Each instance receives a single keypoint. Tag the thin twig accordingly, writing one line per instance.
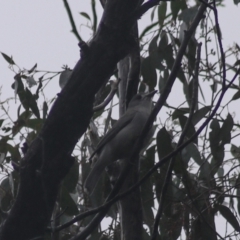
(74, 29)
(114, 88)
(93, 4)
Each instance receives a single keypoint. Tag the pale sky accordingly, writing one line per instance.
(39, 31)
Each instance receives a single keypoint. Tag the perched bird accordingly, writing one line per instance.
(119, 141)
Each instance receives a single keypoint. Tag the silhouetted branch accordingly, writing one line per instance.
(69, 12)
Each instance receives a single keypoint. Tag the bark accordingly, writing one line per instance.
(48, 158)
(130, 207)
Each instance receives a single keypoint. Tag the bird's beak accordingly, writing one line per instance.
(151, 94)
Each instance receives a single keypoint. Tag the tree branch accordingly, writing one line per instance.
(69, 12)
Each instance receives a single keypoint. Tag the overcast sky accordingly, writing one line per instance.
(39, 31)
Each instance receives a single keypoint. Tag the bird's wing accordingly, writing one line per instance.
(118, 126)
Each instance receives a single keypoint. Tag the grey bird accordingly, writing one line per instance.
(119, 141)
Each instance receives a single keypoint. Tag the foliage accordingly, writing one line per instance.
(200, 183)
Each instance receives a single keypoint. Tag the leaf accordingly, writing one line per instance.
(32, 69)
(164, 143)
(147, 29)
(236, 95)
(39, 87)
(191, 151)
(238, 200)
(26, 97)
(156, 59)
(162, 10)
(163, 42)
(35, 124)
(71, 179)
(225, 132)
(45, 110)
(146, 189)
(5, 195)
(64, 77)
(167, 54)
(191, 53)
(67, 203)
(149, 73)
(163, 80)
(1, 122)
(237, 63)
(229, 216)
(217, 149)
(190, 131)
(32, 103)
(176, 6)
(153, 13)
(200, 114)
(8, 59)
(236, 2)
(84, 14)
(235, 151)
(31, 82)
(205, 171)
(166, 225)
(179, 112)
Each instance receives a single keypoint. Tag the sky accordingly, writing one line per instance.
(39, 32)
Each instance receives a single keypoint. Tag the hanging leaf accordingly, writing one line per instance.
(191, 151)
(45, 110)
(35, 124)
(236, 95)
(200, 114)
(235, 151)
(176, 6)
(164, 143)
(32, 69)
(225, 132)
(156, 59)
(8, 59)
(64, 77)
(162, 10)
(32, 103)
(236, 2)
(71, 179)
(84, 14)
(167, 54)
(190, 131)
(217, 149)
(147, 196)
(1, 122)
(67, 204)
(179, 112)
(229, 216)
(147, 29)
(163, 80)
(149, 73)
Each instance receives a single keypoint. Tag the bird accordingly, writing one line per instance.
(120, 139)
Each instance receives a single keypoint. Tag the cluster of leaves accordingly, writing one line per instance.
(201, 185)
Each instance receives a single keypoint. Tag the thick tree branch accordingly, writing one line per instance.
(48, 158)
